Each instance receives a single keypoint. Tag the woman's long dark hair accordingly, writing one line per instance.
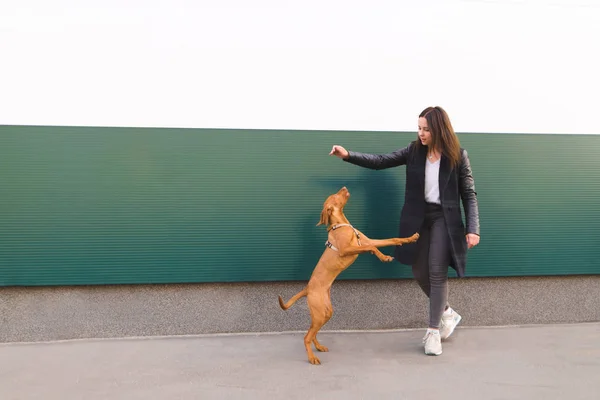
(443, 137)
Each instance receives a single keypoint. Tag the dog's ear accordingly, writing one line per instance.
(325, 214)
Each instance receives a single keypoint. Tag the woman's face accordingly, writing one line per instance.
(424, 134)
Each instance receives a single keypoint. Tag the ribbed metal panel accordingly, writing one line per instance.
(127, 205)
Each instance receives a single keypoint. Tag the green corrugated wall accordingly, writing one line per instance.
(139, 205)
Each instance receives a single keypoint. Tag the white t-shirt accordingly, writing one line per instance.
(432, 185)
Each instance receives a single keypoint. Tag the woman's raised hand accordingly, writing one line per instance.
(339, 151)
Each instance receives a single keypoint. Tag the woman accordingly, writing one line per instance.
(438, 177)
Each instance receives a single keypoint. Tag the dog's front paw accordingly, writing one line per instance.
(387, 259)
(401, 241)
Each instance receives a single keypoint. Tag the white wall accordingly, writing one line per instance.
(495, 65)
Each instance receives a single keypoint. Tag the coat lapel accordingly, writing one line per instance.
(444, 175)
(421, 160)
(445, 172)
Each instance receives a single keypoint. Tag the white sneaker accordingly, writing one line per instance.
(433, 342)
(450, 319)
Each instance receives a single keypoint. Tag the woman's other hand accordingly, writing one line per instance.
(339, 151)
(472, 240)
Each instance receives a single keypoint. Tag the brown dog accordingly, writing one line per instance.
(343, 246)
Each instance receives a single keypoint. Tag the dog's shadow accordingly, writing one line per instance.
(376, 212)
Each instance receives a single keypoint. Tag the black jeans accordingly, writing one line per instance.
(432, 262)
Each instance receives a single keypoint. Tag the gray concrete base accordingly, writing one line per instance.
(54, 313)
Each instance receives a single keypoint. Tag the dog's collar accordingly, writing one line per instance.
(334, 227)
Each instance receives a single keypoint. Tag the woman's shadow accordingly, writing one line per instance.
(376, 199)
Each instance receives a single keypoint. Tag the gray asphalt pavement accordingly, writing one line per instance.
(534, 362)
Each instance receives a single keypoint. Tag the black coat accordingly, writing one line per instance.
(455, 185)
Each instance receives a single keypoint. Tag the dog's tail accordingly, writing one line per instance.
(297, 296)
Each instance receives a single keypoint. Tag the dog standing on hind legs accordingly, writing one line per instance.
(344, 244)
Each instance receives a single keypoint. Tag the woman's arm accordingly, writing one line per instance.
(379, 161)
(466, 185)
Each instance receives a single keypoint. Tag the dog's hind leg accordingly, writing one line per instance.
(328, 315)
(308, 339)
(319, 346)
(320, 312)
